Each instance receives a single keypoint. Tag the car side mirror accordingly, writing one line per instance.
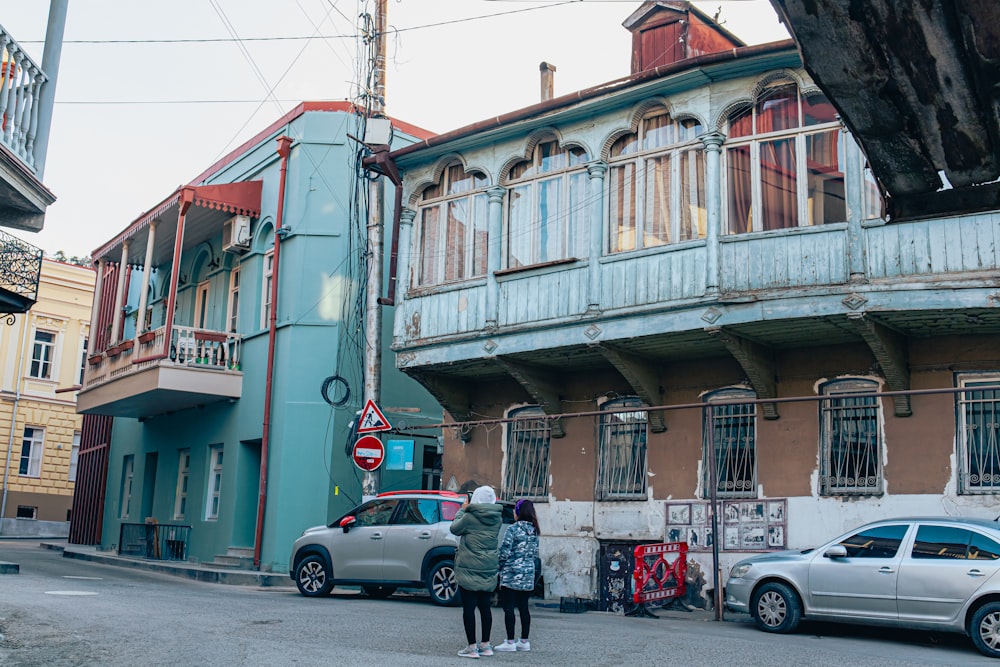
(347, 522)
(836, 551)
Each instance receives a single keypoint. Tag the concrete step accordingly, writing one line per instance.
(235, 562)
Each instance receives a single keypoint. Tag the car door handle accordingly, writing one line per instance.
(976, 573)
(886, 570)
(376, 536)
(424, 535)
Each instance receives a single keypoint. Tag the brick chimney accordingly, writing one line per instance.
(548, 80)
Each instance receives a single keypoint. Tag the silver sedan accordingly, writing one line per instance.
(934, 573)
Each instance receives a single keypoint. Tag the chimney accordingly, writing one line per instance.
(548, 80)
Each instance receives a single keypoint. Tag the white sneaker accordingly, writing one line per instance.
(508, 645)
(523, 645)
(469, 652)
(484, 648)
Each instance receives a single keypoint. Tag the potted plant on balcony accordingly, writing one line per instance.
(125, 345)
(146, 337)
(95, 359)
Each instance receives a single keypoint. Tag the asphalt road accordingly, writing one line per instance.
(61, 612)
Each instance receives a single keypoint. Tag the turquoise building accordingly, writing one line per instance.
(227, 353)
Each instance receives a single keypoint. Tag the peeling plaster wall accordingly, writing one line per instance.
(919, 457)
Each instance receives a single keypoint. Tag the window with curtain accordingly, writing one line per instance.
(784, 162)
(547, 206)
(851, 439)
(732, 430)
(526, 464)
(621, 473)
(452, 230)
(979, 434)
(656, 182)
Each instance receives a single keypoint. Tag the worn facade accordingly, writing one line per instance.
(226, 370)
(686, 281)
(43, 352)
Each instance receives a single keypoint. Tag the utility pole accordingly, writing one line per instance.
(376, 226)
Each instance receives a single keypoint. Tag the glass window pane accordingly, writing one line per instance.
(658, 131)
(626, 145)
(816, 109)
(480, 205)
(983, 548)
(623, 218)
(656, 219)
(941, 542)
(740, 211)
(825, 178)
(454, 256)
(429, 256)
(741, 123)
(879, 542)
(778, 109)
(519, 235)
(779, 204)
(694, 213)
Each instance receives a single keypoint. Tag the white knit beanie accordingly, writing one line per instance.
(484, 494)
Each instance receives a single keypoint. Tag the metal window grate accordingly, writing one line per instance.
(622, 464)
(734, 432)
(980, 428)
(527, 470)
(851, 462)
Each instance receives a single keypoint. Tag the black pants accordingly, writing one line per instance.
(509, 598)
(471, 600)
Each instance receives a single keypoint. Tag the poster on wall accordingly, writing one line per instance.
(745, 525)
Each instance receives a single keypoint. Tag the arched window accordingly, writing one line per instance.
(732, 430)
(784, 162)
(547, 209)
(656, 185)
(851, 439)
(621, 473)
(526, 464)
(452, 232)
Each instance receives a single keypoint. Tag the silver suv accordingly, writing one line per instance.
(399, 539)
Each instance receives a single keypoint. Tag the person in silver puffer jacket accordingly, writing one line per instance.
(518, 552)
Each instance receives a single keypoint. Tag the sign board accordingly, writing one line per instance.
(372, 420)
(368, 453)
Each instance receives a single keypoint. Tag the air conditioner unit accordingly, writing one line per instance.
(236, 234)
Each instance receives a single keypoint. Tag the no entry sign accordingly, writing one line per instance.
(368, 453)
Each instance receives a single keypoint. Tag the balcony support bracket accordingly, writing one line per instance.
(453, 395)
(889, 348)
(757, 362)
(541, 385)
(638, 372)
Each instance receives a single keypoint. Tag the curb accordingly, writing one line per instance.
(186, 571)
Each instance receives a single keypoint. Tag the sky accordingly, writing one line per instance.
(152, 93)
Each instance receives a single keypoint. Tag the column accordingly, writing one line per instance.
(493, 249)
(116, 324)
(95, 308)
(596, 172)
(713, 202)
(854, 183)
(146, 270)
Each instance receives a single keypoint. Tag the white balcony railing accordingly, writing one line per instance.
(21, 82)
(189, 347)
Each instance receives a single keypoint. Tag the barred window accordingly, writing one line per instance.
(733, 431)
(622, 465)
(851, 439)
(979, 434)
(526, 473)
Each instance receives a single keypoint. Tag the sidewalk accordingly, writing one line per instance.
(196, 571)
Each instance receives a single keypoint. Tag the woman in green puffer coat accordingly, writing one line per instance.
(476, 565)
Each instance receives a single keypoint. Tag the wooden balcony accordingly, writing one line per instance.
(145, 377)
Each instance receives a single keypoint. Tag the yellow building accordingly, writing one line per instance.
(42, 354)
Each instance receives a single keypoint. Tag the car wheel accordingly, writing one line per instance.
(313, 577)
(378, 591)
(985, 630)
(776, 608)
(442, 584)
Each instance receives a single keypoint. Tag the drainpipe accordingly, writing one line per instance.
(13, 416)
(284, 148)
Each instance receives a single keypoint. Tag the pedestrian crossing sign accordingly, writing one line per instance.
(372, 420)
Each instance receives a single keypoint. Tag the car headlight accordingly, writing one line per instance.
(740, 569)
